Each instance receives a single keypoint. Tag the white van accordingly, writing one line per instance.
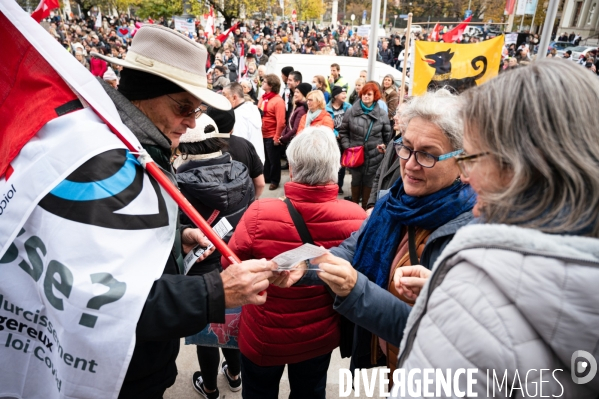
(311, 65)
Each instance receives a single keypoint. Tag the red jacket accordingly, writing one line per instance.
(273, 120)
(297, 323)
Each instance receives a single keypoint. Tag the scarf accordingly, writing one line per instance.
(366, 109)
(265, 98)
(377, 244)
(310, 116)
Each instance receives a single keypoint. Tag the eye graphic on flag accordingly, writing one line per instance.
(104, 192)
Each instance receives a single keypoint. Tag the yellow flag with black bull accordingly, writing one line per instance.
(460, 66)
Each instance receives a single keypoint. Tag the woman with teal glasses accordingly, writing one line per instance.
(410, 225)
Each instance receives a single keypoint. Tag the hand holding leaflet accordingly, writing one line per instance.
(289, 260)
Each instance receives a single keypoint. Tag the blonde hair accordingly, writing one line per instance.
(318, 96)
(549, 146)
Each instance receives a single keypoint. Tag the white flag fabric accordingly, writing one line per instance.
(84, 233)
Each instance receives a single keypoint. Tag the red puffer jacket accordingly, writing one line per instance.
(297, 323)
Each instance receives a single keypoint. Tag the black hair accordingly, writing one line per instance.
(207, 146)
(297, 76)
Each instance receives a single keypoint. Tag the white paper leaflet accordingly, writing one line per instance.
(287, 260)
(222, 228)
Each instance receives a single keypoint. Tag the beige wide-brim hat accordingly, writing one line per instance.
(166, 53)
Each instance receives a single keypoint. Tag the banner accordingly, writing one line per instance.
(184, 25)
(456, 33)
(509, 6)
(460, 66)
(530, 7)
(84, 231)
(521, 7)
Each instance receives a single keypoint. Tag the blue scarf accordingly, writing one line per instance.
(366, 109)
(377, 245)
(310, 116)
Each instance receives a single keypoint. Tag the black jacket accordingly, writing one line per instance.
(353, 131)
(177, 305)
(387, 174)
(215, 184)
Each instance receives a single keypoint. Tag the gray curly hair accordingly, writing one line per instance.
(442, 108)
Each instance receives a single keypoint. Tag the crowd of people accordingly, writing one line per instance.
(471, 225)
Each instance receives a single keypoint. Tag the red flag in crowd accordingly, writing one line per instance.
(210, 23)
(509, 6)
(221, 38)
(43, 9)
(453, 35)
(435, 32)
(32, 102)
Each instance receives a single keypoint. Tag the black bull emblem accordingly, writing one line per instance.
(441, 61)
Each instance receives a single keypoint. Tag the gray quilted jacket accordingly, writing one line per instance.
(507, 298)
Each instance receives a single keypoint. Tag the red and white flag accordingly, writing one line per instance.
(209, 23)
(456, 33)
(84, 230)
(43, 9)
(223, 37)
(435, 32)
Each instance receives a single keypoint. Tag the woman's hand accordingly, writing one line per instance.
(337, 273)
(381, 148)
(287, 278)
(409, 280)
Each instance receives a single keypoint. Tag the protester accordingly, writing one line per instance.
(158, 107)
(319, 83)
(538, 232)
(389, 95)
(410, 226)
(248, 123)
(300, 109)
(335, 78)
(316, 115)
(294, 79)
(355, 95)
(249, 94)
(217, 187)
(365, 124)
(219, 79)
(284, 76)
(337, 108)
(305, 329)
(273, 123)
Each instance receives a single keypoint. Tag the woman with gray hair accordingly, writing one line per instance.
(518, 293)
(296, 326)
(411, 225)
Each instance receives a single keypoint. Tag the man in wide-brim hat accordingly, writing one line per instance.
(161, 92)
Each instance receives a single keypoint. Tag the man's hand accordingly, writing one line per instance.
(338, 273)
(287, 278)
(192, 237)
(276, 142)
(381, 148)
(243, 282)
(409, 280)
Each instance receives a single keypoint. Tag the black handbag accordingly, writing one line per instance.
(346, 326)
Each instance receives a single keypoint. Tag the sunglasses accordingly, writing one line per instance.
(186, 110)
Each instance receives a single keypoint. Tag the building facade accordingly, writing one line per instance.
(580, 17)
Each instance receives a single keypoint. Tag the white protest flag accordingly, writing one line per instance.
(84, 231)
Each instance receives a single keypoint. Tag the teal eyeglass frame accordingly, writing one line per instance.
(398, 145)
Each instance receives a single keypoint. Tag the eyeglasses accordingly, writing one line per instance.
(186, 110)
(465, 162)
(424, 159)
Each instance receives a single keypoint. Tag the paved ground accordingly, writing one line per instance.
(187, 362)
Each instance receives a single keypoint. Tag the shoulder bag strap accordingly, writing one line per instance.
(369, 130)
(299, 222)
(412, 246)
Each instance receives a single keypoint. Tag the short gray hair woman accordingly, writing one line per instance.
(314, 157)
